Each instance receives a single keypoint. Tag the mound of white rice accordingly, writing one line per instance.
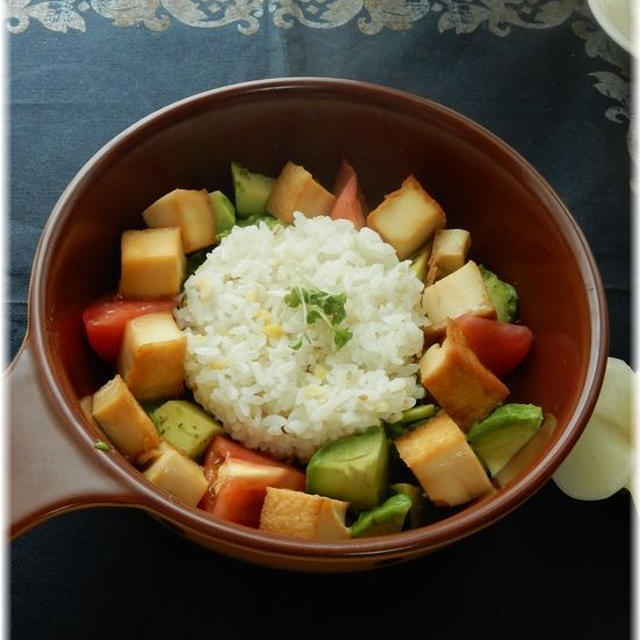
(240, 362)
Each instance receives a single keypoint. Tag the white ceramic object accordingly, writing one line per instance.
(615, 17)
(603, 460)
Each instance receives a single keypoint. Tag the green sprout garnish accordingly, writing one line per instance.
(319, 305)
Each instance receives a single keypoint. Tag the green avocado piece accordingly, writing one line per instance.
(503, 433)
(251, 190)
(224, 213)
(410, 418)
(353, 468)
(503, 296)
(269, 220)
(419, 512)
(389, 517)
(420, 262)
(186, 426)
(418, 414)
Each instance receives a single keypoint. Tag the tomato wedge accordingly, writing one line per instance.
(240, 489)
(222, 448)
(105, 321)
(239, 501)
(349, 202)
(500, 346)
(238, 480)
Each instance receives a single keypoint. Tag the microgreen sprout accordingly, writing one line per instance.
(320, 305)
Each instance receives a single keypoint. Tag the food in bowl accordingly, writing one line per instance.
(278, 381)
(327, 372)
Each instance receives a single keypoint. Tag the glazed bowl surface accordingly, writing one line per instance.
(519, 228)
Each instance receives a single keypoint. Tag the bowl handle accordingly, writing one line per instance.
(50, 473)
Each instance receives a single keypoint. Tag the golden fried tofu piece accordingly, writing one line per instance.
(296, 190)
(407, 218)
(459, 293)
(458, 381)
(302, 515)
(449, 253)
(123, 420)
(462, 291)
(152, 263)
(177, 474)
(188, 209)
(151, 359)
(443, 462)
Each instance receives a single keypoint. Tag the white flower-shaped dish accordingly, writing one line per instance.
(616, 18)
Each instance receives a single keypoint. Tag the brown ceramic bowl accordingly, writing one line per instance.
(519, 229)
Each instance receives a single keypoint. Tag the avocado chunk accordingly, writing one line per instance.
(418, 413)
(420, 261)
(251, 190)
(389, 517)
(353, 468)
(410, 419)
(270, 221)
(186, 426)
(224, 213)
(503, 433)
(419, 511)
(502, 295)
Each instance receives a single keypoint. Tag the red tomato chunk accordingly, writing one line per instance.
(500, 346)
(238, 480)
(348, 203)
(105, 321)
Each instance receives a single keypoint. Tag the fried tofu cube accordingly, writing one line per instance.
(459, 293)
(151, 359)
(152, 263)
(296, 190)
(438, 454)
(449, 253)
(177, 474)
(462, 291)
(315, 200)
(189, 210)
(123, 420)
(458, 381)
(302, 515)
(407, 218)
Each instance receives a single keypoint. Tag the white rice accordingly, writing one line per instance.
(287, 402)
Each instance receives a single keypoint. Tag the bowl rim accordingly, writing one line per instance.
(158, 501)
